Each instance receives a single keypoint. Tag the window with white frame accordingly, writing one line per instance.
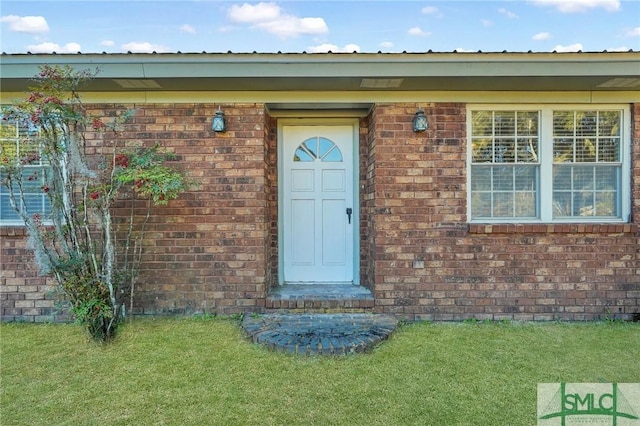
(548, 164)
(19, 142)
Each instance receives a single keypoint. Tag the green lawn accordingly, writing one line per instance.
(203, 372)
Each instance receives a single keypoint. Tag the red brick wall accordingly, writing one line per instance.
(430, 264)
(24, 294)
(215, 248)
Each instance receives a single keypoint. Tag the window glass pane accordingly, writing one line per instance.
(609, 123)
(586, 123)
(503, 204)
(504, 151)
(33, 202)
(525, 178)
(302, 155)
(594, 137)
(482, 123)
(334, 155)
(481, 178)
(585, 150)
(527, 150)
(312, 146)
(583, 204)
(609, 150)
(607, 178)
(503, 178)
(562, 178)
(563, 123)
(583, 178)
(563, 150)
(482, 150)
(606, 204)
(318, 148)
(581, 191)
(481, 205)
(561, 204)
(324, 145)
(528, 123)
(505, 123)
(6, 210)
(525, 204)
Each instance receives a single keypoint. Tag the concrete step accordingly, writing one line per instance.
(320, 297)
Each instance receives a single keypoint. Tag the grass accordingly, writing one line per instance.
(203, 371)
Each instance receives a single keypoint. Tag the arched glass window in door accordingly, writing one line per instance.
(318, 149)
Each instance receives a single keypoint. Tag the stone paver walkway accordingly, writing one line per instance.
(322, 334)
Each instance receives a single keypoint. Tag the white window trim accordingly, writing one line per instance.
(545, 139)
(19, 222)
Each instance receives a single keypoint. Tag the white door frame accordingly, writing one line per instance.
(356, 186)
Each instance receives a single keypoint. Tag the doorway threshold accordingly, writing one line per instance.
(320, 291)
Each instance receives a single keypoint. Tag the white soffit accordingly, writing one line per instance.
(621, 82)
(137, 84)
(381, 83)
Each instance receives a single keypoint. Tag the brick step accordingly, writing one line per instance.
(321, 298)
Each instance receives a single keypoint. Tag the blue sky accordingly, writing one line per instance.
(318, 26)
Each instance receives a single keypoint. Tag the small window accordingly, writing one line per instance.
(548, 164)
(318, 149)
(19, 142)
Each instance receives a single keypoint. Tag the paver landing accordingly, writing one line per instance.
(322, 334)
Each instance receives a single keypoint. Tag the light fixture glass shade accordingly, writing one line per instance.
(420, 123)
(219, 124)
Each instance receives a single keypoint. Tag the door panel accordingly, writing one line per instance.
(302, 220)
(318, 236)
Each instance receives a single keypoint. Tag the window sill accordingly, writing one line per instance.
(554, 228)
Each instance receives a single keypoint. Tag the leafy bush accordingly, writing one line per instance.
(77, 243)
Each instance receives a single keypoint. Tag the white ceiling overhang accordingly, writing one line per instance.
(598, 71)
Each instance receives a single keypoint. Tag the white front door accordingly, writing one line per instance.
(319, 211)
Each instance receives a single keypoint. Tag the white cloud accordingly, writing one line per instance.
(541, 36)
(417, 31)
(291, 26)
(49, 47)
(261, 12)
(143, 47)
(26, 24)
(577, 6)
(486, 23)
(432, 10)
(635, 32)
(186, 28)
(386, 44)
(269, 17)
(463, 50)
(618, 49)
(570, 48)
(326, 47)
(507, 13)
(107, 43)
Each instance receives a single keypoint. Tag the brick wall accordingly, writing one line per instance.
(429, 264)
(215, 248)
(24, 294)
(208, 251)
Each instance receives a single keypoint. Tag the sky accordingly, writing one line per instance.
(93, 26)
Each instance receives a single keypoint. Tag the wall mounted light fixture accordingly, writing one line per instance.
(219, 124)
(420, 123)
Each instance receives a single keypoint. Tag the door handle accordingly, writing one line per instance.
(349, 213)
